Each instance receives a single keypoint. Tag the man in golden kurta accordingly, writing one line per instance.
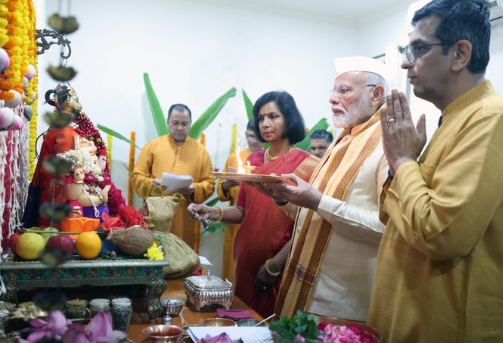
(439, 268)
(228, 191)
(177, 154)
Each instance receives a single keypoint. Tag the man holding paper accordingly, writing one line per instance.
(181, 155)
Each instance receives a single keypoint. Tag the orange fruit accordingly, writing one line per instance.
(88, 245)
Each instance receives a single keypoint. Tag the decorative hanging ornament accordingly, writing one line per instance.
(6, 118)
(30, 73)
(26, 83)
(14, 102)
(28, 112)
(63, 25)
(18, 123)
(4, 60)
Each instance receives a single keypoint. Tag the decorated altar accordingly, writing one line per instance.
(101, 272)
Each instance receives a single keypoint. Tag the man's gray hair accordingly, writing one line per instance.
(376, 79)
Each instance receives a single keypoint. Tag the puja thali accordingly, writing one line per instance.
(249, 177)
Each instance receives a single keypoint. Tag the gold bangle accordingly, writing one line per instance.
(221, 215)
(268, 270)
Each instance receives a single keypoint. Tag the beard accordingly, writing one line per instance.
(355, 114)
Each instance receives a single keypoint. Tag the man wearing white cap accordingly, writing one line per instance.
(337, 231)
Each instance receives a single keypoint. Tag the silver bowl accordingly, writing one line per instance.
(173, 307)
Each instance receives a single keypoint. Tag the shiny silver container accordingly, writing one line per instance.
(208, 290)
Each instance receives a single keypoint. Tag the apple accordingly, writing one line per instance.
(62, 243)
(49, 232)
(13, 241)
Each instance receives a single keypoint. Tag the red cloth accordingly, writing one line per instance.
(265, 229)
(234, 314)
(55, 141)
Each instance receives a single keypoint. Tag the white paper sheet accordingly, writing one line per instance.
(247, 334)
(175, 182)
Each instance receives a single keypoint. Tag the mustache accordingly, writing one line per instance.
(338, 108)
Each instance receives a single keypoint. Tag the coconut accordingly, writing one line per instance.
(134, 240)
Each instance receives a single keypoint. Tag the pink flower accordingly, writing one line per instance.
(299, 338)
(55, 325)
(345, 334)
(99, 330)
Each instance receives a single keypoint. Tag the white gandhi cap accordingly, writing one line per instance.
(361, 63)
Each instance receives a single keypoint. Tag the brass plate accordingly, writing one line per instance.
(250, 177)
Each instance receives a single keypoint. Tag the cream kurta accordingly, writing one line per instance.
(343, 284)
(232, 229)
(191, 158)
(440, 265)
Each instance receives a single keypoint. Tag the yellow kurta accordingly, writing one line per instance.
(440, 264)
(191, 158)
(232, 229)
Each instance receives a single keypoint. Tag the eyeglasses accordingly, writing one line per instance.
(344, 92)
(413, 52)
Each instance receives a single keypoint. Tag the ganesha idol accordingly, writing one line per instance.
(87, 199)
(88, 187)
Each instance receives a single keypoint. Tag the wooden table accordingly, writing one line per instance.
(176, 290)
(26, 274)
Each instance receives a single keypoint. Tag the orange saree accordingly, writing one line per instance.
(265, 229)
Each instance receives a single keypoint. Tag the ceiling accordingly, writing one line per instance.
(344, 10)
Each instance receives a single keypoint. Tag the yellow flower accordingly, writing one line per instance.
(154, 254)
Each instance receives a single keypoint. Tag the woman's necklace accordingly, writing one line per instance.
(272, 158)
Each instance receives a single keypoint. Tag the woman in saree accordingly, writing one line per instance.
(265, 229)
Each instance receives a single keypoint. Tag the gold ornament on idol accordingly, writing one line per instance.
(272, 158)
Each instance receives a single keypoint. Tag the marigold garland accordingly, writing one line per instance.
(234, 137)
(17, 33)
(32, 90)
(203, 139)
(132, 138)
(18, 19)
(109, 151)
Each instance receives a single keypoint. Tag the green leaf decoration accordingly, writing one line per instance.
(128, 170)
(211, 202)
(301, 324)
(321, 125)
(215, 227)
(248, 105)
(210, 114)
(116, 135)
(155, 107)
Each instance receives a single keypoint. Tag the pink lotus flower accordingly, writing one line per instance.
(55, 325)
(99, 330)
